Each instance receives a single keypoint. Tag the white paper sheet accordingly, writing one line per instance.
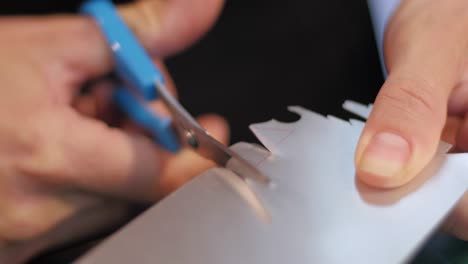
(319, 212)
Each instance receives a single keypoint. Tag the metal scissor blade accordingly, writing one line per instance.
(207, 146)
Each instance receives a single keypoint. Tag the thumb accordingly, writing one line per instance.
(165, 27)
(162, 26)
(404, 129)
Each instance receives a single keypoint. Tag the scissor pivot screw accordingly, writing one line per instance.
(191, 139)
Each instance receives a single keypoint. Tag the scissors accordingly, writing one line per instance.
(141, 82)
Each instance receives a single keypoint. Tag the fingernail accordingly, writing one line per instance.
(385, 156)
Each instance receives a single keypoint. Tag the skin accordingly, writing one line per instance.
(53, 140)
(424, 99)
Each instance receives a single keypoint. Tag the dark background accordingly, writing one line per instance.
(264, 55)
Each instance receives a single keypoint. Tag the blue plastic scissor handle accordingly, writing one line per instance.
(135, 67)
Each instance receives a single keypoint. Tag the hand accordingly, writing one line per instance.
(48, 147)
(425, 97)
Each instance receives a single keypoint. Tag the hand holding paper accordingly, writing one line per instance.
(425, 50)
(318, 212)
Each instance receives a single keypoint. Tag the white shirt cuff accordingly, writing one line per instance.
(381, 12)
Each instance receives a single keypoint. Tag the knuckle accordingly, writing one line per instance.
(144, 18)
(414, 99)
(30, 139)
(457, 221)
(459, 226)
(22, 222)
(45, 157)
